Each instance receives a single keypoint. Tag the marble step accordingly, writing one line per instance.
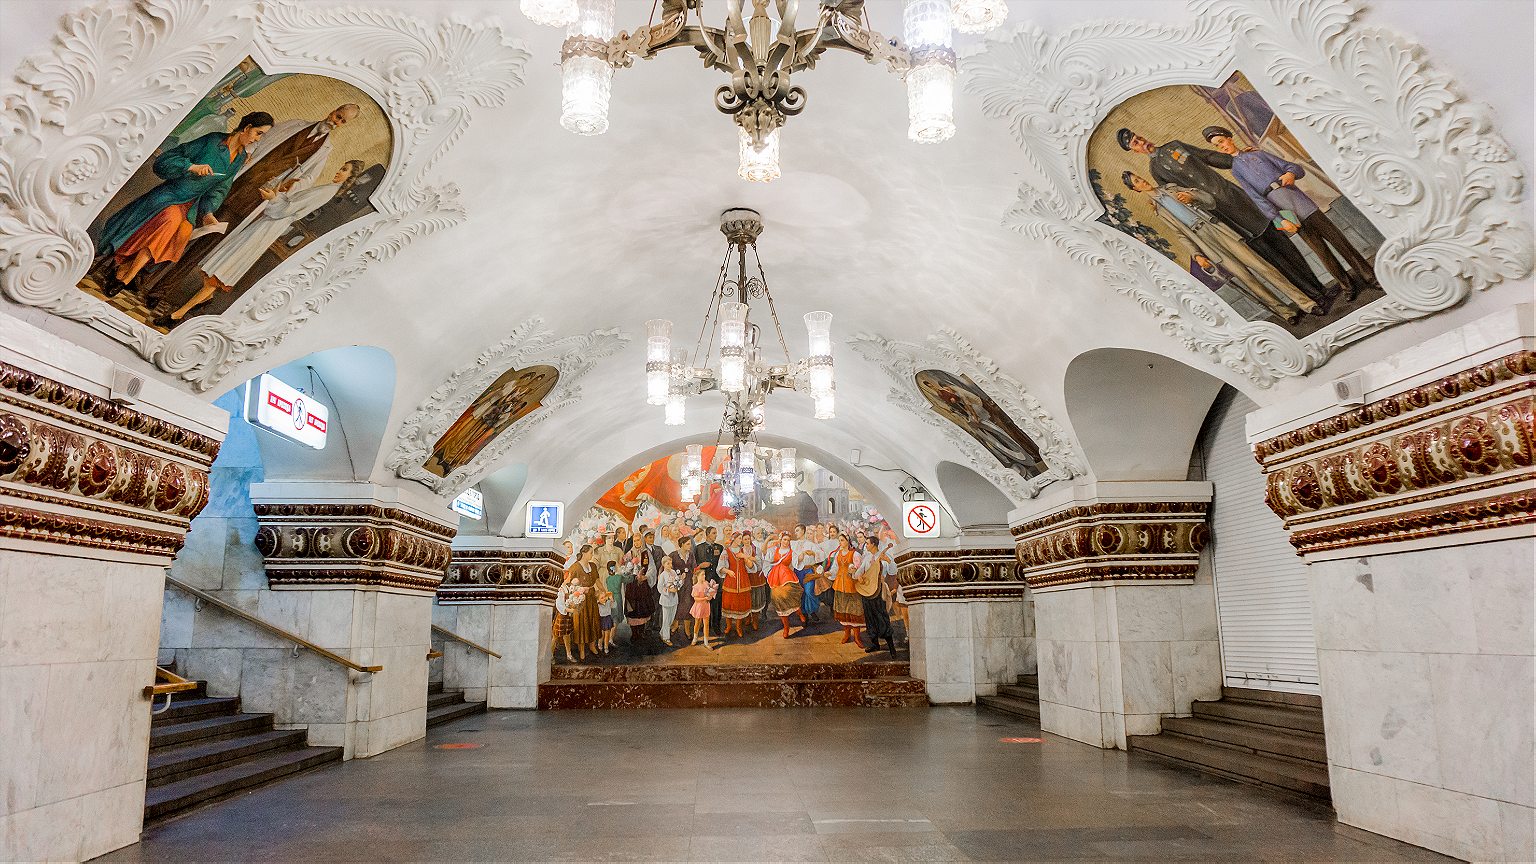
(1293, 717)
(168, 764)
(439, 699)
(185, 707)
(1028, 709)
(447, 713)
(1269, 771)
(734, 672)
(882, 692)
(1027, 692)
(1258, 739)
(162, 801)
(209, 728)
(434, 687)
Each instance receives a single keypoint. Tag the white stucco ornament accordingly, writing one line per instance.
(947, 351)
(530, 343)
(79, 119)
(1423, 162)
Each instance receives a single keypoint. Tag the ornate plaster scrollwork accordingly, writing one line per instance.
(530, 343)
(947, 350)
(81, 118)
(1441, 184)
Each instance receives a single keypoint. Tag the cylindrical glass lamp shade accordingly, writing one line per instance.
(594, 20)
(926, 24)
(979, 16)
(733, 325)
(549, 13)
(658, 354)
(825, 406)
(693, 466)
(759, 164)
(585, 85)
(931, 101)
(818, 326)
(690, 490)
(677, 409)
(733, 373)
(778, 496)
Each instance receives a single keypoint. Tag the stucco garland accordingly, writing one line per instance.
(1442, 185)
(79, 119)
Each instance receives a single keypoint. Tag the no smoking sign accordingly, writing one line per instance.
(919, 519)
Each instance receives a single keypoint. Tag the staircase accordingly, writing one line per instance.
(1254, 736)
(203, 749)
(1021, 699)
(443, 707)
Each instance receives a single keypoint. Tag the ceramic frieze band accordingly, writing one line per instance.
(1449, 456)
(959, 574)
(326, 545)
(481, 575)
(77, 469)
(1104, 542)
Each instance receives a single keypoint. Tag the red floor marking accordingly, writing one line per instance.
(456, 746)
(1020, 740)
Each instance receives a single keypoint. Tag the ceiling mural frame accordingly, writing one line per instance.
(948, 351)
(1422, 161)
(530, 343)
(81, 118)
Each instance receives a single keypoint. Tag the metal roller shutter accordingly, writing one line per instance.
(1263, 606)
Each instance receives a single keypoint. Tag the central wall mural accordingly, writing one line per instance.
(651, 578)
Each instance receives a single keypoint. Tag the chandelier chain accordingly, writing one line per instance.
(772, 311)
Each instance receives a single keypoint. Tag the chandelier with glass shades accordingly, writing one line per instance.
(672, 374)
(760, 54)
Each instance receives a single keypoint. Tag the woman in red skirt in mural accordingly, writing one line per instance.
(736, 605)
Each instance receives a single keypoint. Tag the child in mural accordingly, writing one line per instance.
(736, 605)
(870, 586)
(566, 599)
(783, 581)
(237, 253)
(671, 583)
(847, 610)
(703, 591)
(605, 619)
(1185, 210)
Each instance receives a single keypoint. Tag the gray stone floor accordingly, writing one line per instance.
(812, 784)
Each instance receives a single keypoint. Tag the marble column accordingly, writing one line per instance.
(355, 566)
(1416, 513)
(500, 593)
(1125, 615)
(970, 627)
(95, 500)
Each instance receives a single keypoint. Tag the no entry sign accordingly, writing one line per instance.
(919, 519)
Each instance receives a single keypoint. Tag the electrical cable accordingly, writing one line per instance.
(345, 442)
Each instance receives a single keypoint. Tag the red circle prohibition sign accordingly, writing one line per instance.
(921, 519)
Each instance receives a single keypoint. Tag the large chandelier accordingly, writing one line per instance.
(760, 54)
(740, 372)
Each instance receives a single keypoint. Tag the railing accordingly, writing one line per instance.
(173, 684)
(449, 634)
(297, 640)
(433, 655)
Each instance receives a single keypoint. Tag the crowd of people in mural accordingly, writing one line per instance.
(700, 583)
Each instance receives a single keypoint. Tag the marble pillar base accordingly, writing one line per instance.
(517, 630)
(964, 648)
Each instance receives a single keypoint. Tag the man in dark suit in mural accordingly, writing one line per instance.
(1183, 164)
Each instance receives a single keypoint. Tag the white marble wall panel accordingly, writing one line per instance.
(1428, 662)
(966, 648)
(520, 633)
(77, 646)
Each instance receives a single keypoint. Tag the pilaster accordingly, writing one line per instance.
(499, 592)
(1416, 511)
(1125, 615)
(96, 496)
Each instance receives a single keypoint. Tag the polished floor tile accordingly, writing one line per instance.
(807, 784)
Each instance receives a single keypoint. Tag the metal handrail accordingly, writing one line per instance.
(296, 639)
(444, 631)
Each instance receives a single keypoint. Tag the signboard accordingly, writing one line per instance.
(470, 503)
(919, 519)
(545, 519)
(288, 412)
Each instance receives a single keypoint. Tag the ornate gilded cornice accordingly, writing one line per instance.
(1453, 455)
(486, 575)
(1112, 542)
(933, 567)
(1014, 590)
(77, 469)
(351, 545)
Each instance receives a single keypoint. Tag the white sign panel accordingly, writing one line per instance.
(471, 503)
(545, 519)
(919, 519)
(286, 411)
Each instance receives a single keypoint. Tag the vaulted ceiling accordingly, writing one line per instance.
(894, 238)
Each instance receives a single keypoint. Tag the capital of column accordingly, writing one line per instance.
(1099, 534)
(959, 569)
(1441, 451)
(317, 534)
(501, 570)
(86, 475)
